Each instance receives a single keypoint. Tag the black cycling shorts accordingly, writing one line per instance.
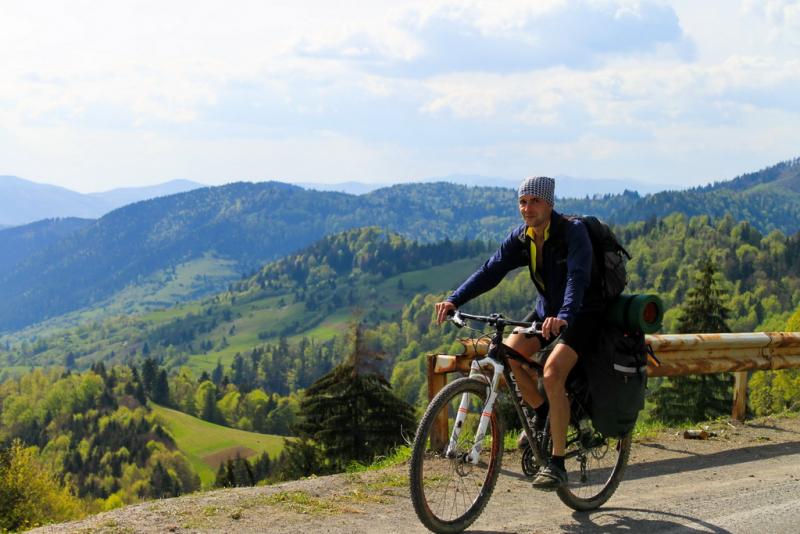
(581, 336)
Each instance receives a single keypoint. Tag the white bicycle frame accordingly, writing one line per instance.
(491, 390)
(486, 414)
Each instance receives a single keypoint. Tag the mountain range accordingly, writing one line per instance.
(23, 201)
(568, 186)
(66, 265)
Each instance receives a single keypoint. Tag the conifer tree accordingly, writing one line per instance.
(262, 466)
(221, 481)
(242, 472)
(300, 458)
(705, 396)
(216, 375)
(351, 412)
(161, 389)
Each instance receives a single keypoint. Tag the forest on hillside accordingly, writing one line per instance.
(756, 272)
(87, 411)
(63, 266)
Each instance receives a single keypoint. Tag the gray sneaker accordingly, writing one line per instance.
(550, 478)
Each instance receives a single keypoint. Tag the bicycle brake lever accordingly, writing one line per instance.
(531, 331)
(457, 320)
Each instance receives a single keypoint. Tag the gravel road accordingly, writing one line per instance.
(744, 480)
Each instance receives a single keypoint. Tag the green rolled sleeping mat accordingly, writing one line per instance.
(637, 312)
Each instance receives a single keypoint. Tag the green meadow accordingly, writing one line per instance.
(206, 444)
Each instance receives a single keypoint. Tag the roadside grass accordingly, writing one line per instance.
(398, 456)
(199, 439)
(647, 428)
(378, 491)
(302, 503)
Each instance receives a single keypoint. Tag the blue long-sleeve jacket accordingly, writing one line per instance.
(566, 270)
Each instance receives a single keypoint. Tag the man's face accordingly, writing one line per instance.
(535, 211)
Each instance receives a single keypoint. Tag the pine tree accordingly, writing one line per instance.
(207, 395)
(351, 412)
(242, 472)
(300, 458)
(162, 483)
(149, 375)
(262, 466)
(161, 389)
(216, 375)
(221, 480)
(705, 396)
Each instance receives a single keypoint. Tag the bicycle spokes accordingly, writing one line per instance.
(451, 482)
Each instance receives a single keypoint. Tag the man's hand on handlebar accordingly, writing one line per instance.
(552, 326)
(444, 310)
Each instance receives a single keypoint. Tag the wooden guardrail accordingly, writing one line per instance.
(680, 355)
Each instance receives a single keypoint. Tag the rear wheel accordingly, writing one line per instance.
(448, 491)
(595, 467)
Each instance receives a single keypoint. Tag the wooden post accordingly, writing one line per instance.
(436, 382)
(739, 396)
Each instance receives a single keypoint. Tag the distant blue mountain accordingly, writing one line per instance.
(19, 242)
(128, 195)
(64, 265)
(23, 201)
(566, 186)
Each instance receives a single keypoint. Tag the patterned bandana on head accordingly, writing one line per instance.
(540, 186)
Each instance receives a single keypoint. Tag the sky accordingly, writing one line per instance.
(98, 95)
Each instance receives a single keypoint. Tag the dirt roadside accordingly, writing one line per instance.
(672, 485)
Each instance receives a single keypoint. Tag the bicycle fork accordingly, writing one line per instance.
(486, 414)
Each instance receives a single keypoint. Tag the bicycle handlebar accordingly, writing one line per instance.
(496, 320)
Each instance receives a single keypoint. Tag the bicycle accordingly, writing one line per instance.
(453, 478)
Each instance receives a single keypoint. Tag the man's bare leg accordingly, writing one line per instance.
(559, 364)
(525, 376)
(556, 370)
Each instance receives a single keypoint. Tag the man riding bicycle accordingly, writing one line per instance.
(558, 253)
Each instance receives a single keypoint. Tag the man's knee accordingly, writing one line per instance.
(558, 366)
(522, 344)
(553, 380)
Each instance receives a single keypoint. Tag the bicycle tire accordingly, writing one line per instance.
(448, 493)
(590, 487)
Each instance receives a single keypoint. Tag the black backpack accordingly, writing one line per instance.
(610, 257)
(617, 377)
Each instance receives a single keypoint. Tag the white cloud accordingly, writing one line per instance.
(458, 37)
(94, 95)
(782, 18)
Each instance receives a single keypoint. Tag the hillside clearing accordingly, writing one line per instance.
(206, 445)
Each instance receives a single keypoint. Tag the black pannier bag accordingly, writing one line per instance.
(617, 377)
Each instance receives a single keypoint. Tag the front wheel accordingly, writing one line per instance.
(448, 491)
(595, 468)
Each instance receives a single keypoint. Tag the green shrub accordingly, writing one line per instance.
(30, 495)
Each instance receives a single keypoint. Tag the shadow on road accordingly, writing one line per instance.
(767, 426)
(625, 520)
(695, 461)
